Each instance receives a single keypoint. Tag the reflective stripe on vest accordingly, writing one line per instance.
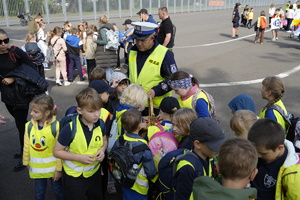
(41, 161)
(79, 146)
(42, 170)
(141, 184)
(150, 73)
(188, 102)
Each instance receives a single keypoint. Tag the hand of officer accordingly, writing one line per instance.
(151, 93)
(8, 81)
(86, 159)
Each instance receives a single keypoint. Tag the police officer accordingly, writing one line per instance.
(235, 20)
(150, 64)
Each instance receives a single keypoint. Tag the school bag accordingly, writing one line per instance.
(162, 143)
(112, 39)
(50, 52)
(34, 53)
(121, 162)
(293, 130)
(211, 102)
(113, 134)
(263, 22)
(167, 169)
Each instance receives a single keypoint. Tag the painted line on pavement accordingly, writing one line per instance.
(281, 75)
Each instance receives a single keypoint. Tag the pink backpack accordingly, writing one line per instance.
(161, 143)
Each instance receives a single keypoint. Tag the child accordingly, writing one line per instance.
(242, 102)
(59, 48)
(95, 30)
(275, 31)
(98, 73)
(241, 122)
(250, 17)
(90, 49)
(182, 120)
(74, 45)
(261, 26)
(273, 90)
(167, 108)
(132, 123)
(237, 171)
(39, 139)
(244, 15)
(41, 39)
(134, 96)
(278, 169)
(207, 137)
(86, 147)
(186, 86)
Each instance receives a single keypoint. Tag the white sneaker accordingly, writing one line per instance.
(67, 83)
(289, 31)
(276, 38)
(58, 83)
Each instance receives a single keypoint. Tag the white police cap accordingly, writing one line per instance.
(142, 30)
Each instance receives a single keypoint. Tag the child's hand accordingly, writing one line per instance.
(8, 81)
(158, 118)
(86, 159)
(115, 83)
(100, 155)
(57, 175)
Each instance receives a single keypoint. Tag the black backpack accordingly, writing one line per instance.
(34, 53)
(121, 160)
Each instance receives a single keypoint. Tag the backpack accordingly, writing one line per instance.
(34, 53)
(53, 128)
(263, 23)
(162, 143)
(293, 130)
(211, 102)
(50, 52)
(167, 169)
(121, 161)
(112, 39)
(113, 134)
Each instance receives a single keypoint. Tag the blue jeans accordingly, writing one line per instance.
(74, 62)
(41, 186)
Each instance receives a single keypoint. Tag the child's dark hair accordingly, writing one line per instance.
(131, 119)
(276, 86)
(266, 133)
(94, 28)
(89, 99)
(46, 103)
(182, 75)
(237, 159)
(262, 13)
(98, 73)
(74, 31)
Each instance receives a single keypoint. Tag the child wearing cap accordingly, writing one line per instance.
(278, 166)
(207, 137)
(181, 122)
(237, 165)
(167, 108)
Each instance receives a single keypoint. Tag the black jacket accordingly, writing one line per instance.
(28, 83)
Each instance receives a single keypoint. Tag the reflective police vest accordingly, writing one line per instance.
(183, 163)
(79, 146)
(279, 118)
(150, 73)
(42, 162)
(141, 184)
(188, 103)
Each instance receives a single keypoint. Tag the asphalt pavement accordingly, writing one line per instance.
(225, 68)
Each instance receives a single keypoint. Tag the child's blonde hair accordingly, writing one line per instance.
(276, 86)
(94, 28)
(46, 103)
(241, 122)
(29, 37)
(134, 95)
(103, 19)
(183, 119)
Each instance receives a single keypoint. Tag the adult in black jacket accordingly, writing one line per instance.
(15, 104)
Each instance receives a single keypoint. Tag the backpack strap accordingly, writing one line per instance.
(12, 55)
(53, 128)
(281, 111)
(161, 128)
(194, 100)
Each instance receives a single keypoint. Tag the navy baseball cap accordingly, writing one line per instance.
(101, 86)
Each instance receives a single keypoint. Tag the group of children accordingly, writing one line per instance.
(73, 154)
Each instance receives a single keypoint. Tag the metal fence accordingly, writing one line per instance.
(69, 10)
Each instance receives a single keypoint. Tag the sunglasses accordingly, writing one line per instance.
(6, 41)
